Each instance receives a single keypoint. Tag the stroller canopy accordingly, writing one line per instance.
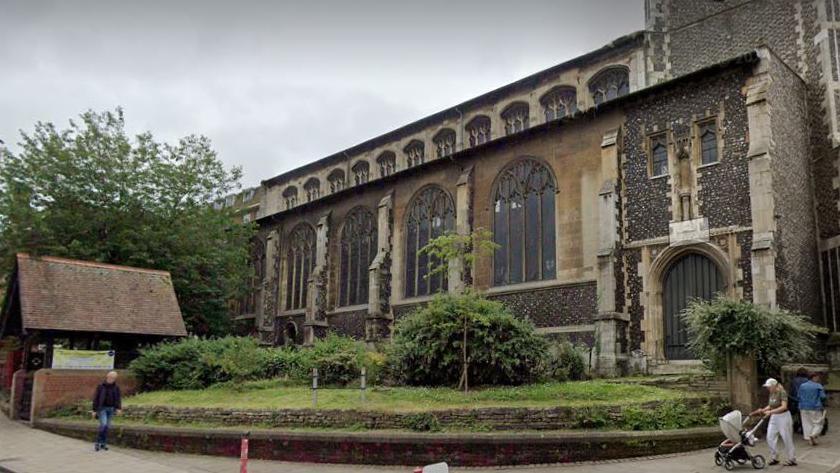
(731, 425)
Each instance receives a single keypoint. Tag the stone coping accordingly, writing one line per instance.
(401, 448)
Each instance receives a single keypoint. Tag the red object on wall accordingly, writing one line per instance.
(243, 456)
(13, 360)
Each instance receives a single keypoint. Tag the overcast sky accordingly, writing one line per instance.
(277, 84)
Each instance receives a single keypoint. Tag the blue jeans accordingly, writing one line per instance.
(105, 414)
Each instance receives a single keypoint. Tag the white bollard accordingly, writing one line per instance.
(314, 388)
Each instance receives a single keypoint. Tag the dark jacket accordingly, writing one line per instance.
(107, 395)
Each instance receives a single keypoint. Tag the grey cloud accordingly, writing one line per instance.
(279, 84)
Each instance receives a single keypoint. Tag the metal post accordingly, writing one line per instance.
(363, 384)
(314, 388)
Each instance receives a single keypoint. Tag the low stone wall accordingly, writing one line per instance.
(388, 448)
(497, 419)
(53, 389)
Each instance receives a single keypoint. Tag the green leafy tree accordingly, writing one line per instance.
(723, 327)
(92, 192)
(450, 247)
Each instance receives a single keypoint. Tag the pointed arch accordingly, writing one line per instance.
(415, 153)
(516, 117)
(444, 142)
(337, 180)
(430, 214)
(300, 259)
(361, 172)
(609, 83)
(524, 229)
(387, 162)
(357, 249)
(559, 102)
(290, 196)
(478, 130)
(312, 189)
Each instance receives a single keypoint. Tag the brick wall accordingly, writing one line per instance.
(58, 388)
(374, 448)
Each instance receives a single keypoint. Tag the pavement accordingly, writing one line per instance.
(27, 450)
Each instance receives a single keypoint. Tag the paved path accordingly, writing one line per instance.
(25, 450)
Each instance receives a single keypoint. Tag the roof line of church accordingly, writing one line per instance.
(743, 59)
(371, 143)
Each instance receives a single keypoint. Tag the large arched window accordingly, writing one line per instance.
(387, 162)
(336, 180)
(415, 153)
(361, 172)
(248, 303)
(515, 117)
(290, 196)
(312, 188)
(559, 102)
(431, 214)
(444, 142)
(300, 259)
(358, 248)
(478, 130)
(523, 224)
(610, 83)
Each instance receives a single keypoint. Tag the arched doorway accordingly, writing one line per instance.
(689, 277)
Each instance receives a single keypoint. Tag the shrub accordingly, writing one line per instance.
(194, 363)
(338, 360)
(564, 362)
(427, 347)
(723, 326)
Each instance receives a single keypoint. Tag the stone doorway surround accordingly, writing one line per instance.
(653, 323)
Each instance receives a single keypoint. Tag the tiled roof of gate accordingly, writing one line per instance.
(82, 296)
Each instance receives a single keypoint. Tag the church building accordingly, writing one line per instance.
(698, 156)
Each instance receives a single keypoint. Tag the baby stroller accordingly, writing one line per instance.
(733, 450)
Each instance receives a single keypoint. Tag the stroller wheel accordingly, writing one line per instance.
(758, 462)
(718, 459)
(729, 465)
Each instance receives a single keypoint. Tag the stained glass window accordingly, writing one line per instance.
(478, 130)
(444, 142)
(361, 172)
(358, 248)
(430, 215)
(290, 196)
(559, 102)
(387, 162)
(300, 259)
(708, 143)
(415, 153)
(659, 156)
(523, 224)
(313, 189)
(610, 83)
(516, 118)
(336, 180)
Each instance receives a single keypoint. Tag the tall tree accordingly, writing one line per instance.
(92, 192)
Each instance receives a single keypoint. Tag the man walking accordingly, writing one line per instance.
(106, 403)
(811, 398)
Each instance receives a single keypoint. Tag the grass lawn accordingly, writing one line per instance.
(277, 395)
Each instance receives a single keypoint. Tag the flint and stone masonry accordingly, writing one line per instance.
(694, 158)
